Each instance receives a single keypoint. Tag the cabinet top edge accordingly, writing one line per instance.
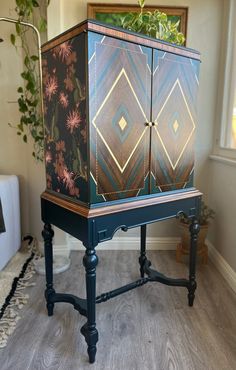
(117, 32)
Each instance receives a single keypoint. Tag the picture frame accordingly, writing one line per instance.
(108, 12)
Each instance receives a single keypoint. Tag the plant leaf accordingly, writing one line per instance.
(35, 4)
(34, 58)
(42, 26)
(26, 61)
(141, 3)
(13, 39)
(18, 30)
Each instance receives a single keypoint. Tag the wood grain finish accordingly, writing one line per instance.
(175, 88)
(141, 40)
(118, 33)
(93, 212)
(119, 107)
(150, 328)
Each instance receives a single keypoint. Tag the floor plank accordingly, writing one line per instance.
(149, 328)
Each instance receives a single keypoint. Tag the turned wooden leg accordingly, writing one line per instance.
(194, 230)
(48, 234)
(143, 258)
(89, 330)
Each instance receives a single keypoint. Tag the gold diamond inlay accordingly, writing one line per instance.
(122, 123)
(174, 165)
(175, 126)
(122, 73)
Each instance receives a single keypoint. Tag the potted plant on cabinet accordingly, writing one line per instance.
(154, 24)
(206, 214)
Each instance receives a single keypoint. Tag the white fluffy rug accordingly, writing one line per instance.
(14, 278)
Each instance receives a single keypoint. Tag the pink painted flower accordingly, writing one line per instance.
(69, 83)
(48, 157)
(60, 146)
(68, 180)
(51, 87)
(73, 120)
(63, 51)
(60, 165)
(64, 100)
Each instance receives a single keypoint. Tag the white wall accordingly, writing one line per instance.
(222, 175)
(222, 198)
(204, 34)
(15, 156)
(13, 152)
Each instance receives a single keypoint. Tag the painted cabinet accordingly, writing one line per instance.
(120, 115)
(174, 106)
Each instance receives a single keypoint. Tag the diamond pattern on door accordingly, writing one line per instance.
(132, 130)
(174, 99)
(120, 106)
(183, 127)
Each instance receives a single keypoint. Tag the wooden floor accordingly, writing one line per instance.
(149, 328)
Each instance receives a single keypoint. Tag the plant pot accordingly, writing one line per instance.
(184, 246)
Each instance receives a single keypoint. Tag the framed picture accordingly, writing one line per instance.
(111, 13)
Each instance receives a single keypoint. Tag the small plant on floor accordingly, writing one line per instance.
(154, 24)
(206, 214)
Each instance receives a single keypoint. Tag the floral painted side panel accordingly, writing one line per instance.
(64, 94)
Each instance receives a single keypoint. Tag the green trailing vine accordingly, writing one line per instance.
(154, 24)
(29, 100)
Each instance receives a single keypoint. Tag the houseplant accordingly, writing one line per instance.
(29, 100)
(206, 215)
(154, 24)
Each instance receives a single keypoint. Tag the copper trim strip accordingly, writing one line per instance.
(101, 211)
(113, 32)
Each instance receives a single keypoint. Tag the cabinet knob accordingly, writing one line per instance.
(150, 124)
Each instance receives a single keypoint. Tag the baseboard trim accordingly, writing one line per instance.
(61, 250)
(129, 243)
(222, 266)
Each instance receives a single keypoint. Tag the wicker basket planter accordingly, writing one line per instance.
(184, 245)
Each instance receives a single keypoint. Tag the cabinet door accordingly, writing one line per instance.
(175, 86)
(119, 107)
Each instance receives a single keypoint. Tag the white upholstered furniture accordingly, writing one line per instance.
(11, 239)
